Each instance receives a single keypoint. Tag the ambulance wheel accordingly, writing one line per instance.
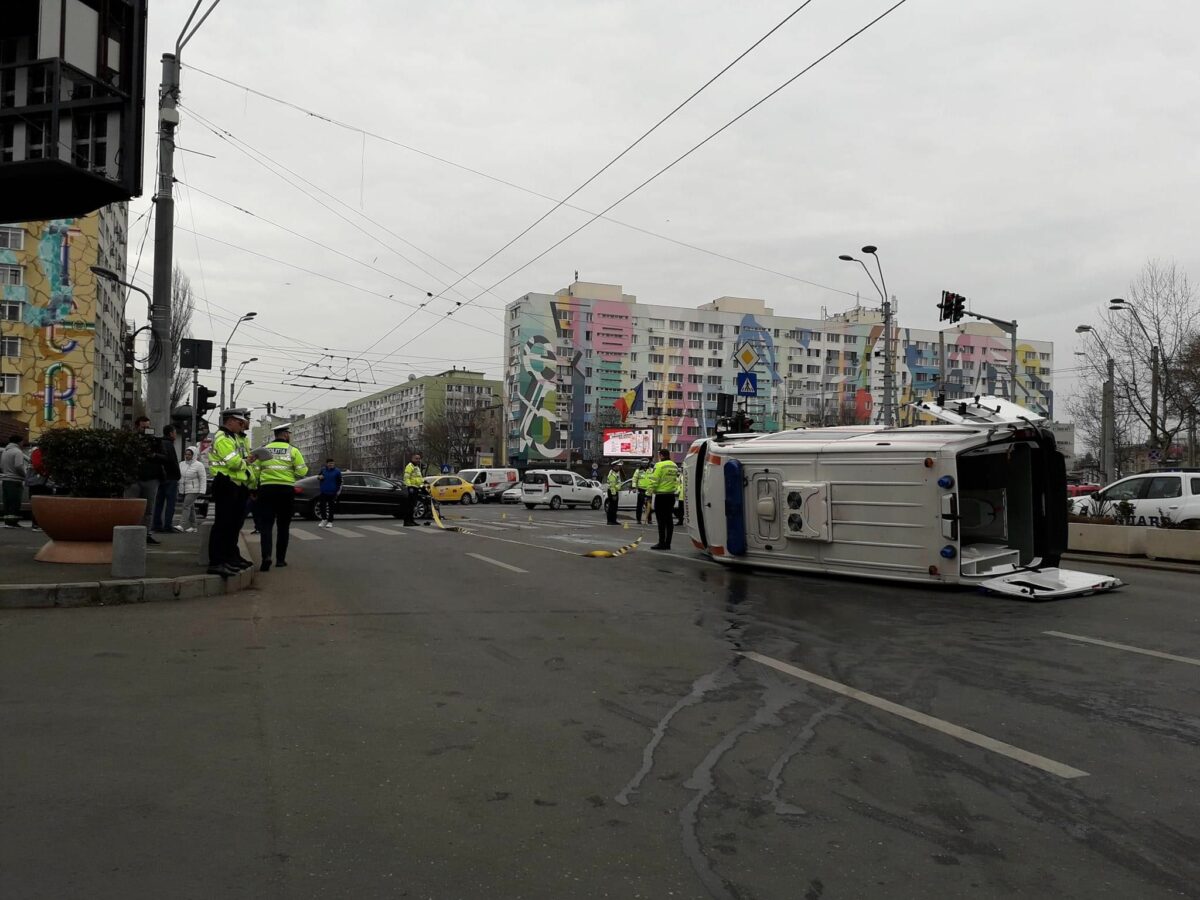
(596, 503)
(556, 502)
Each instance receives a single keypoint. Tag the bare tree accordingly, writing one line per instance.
(451, 435)
(1166, 306)
(183, 304)
(1086, 408)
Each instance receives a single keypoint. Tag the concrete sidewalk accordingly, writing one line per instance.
(173, 572)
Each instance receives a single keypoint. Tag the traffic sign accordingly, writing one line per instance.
(1154, 455)
(747, 357)
(747, 384)
(445, 468)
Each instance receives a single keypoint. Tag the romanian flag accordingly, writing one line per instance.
(629, 402)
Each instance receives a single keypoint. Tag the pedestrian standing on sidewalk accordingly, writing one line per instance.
(37, 482)
(664, 485)
(12, 480)
(191, 485)
(168, 490)
(329, 478)
(276, 468)
(149, 475)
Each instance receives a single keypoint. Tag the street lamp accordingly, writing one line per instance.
(1108, 414)
(233, 394)
(225, 351)
(238, 374)
(1119, 304)
(109, 275)
(889, 376)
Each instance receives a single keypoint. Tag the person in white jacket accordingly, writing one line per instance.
(191, 484)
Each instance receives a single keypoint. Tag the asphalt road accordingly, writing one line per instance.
(418, 713)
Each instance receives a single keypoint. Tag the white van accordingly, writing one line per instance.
(980, 501)
(490, 484)
(557, 488)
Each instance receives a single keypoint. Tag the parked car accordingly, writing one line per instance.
(451, 489)
(490, 484)
(362, 492)
(557, 488)
(1081, 490)
(1154, 496)
(512, 495)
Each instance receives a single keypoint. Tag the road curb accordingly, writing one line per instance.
(122, 591)
(1132, 562)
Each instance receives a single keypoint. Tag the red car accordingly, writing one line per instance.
(1081, 490)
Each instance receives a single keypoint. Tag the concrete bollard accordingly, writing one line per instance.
(129, 551)
(205, 529)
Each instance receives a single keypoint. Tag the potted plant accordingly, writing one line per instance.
(90, 469)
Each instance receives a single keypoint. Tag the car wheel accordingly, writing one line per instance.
(467, 499)
(596, 503)
(556, 502)
(420, 509)
(530, 505)
(310, 510)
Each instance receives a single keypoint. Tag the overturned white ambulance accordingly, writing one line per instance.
(978, 499)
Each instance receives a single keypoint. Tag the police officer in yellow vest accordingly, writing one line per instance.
(229, 464)
(276, 468)
(414, 479)
(664, 486)
(641, 479)
(613, 493)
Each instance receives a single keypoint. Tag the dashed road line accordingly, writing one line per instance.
(1033, 760)
(496, 562)
(1126, 647)
(304, 535)
(342, 531)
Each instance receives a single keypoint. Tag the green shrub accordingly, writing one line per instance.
(91, 462)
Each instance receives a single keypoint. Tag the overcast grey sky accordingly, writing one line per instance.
(1030, 155)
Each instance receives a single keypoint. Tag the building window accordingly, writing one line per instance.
(677, 324)
(14, 239)
(717, 329)
(716, 364)
(14, 275)
(656, 342)
(674, 395)
(675, 342)
(695, 326)
(10, 346)
(10, 311)
(695, 345)
(695, 378)
(657, 323)
(677, 360)
(656, 358)
(10, 384)
(714, 345)
(714, 380)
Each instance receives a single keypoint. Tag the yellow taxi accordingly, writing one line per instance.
(450, 489)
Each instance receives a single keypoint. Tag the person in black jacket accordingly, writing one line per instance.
(168, 488)
(150, 473)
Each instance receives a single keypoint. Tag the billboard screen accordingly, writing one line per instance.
(628, 442)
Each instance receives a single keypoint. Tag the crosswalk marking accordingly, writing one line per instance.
(378, 530)
(345, 532)
(305, 535)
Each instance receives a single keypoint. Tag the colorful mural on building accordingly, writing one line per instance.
(574, 363)
(48, 322)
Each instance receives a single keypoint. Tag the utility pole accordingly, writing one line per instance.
(195, 404)
(162, 350)
(1110, 424)
(1192, 437)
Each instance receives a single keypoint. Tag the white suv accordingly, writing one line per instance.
(1154, 496)
(557, 488)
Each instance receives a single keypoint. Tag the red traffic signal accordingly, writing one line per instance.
(951, 307)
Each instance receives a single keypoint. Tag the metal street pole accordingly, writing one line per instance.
(224, 356)
(1110, 424)
(162, 350)
(195, 403)
(1154, 386)
(889, 397)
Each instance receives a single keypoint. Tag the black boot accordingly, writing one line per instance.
(266, 565)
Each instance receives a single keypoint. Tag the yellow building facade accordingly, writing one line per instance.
(61, 327)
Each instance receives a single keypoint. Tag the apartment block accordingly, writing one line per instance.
(62, 335)
(569, 357)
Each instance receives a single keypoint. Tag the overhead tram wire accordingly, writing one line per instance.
(661, 171)
(196, 241)
(498, 180)
(266, 161)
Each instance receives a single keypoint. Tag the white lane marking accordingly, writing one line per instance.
(427, 529)
(949, 728)
(1115, 646)
(304, 535)
(343, 531)
(496, 562)
(467, 523)
(377, 529)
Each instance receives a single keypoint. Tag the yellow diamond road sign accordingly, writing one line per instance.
(747, 356)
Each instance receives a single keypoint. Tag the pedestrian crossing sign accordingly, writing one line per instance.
(747, 384)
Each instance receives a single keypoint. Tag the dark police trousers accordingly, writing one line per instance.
(229, 502)
(664, 509)
(610, 507)
(273, 507)
(641, 503)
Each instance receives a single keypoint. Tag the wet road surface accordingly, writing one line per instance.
(411, 712)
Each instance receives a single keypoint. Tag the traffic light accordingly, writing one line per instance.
(204, 401)
(950, 309)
